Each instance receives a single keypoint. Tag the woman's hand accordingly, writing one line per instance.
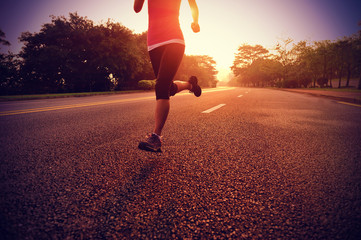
(138, 5)
(195, 27)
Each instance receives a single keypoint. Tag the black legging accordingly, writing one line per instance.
(165, 61)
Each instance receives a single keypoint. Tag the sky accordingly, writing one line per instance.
(225, 24)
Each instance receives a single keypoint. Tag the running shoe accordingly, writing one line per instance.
(152, 143)
(196, 89)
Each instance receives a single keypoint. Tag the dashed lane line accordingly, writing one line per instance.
(214, 108)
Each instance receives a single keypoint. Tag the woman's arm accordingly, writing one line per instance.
(195, 15)
(138, 5)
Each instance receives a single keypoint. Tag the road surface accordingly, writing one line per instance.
(237, 163)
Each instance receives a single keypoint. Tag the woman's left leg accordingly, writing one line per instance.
(168, 67)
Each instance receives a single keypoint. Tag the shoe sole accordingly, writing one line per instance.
(145, 147)
(198, 93)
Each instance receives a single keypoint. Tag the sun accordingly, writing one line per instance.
(214, 38)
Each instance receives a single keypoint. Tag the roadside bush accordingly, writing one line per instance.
(290, 84)
(304, 82)
(322, 81)
(146, 84)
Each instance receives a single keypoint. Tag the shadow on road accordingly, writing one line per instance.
(136, 182)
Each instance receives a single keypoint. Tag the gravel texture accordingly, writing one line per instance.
(268, 165)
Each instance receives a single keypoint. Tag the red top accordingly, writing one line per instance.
(164, 25)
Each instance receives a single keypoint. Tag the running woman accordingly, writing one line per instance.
(166, 49)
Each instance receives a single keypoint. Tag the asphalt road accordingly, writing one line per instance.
(265, 164)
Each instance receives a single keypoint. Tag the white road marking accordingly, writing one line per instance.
(240, 96)
(214, 108)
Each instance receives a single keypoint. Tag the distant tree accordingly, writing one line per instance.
(301, 68)
(285, 56)
(322, 48)
(57, 58)
(341, 47)
(357, 44)
(146, 70)
(262, 72)
(350, 50)
(334, 63)
(358, 53)
(247, 64)
(3, 41)
(246, 55)
(74, 55)
(204, 67)
(353, 57)
(10, 81)
(9, 74)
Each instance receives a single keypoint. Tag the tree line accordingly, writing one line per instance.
(75, 55)
(301, 64)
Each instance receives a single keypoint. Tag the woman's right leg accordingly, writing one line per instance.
(191, 84)
(181, 85)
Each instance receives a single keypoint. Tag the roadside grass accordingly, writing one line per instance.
(334, 89)
(62, 95)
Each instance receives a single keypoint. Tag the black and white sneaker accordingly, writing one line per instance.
(196, 89)
(152, 143)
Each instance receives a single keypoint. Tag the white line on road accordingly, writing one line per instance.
(214, 108)
(240, 96)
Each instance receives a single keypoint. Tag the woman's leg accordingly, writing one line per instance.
(166, 68)
(191, 84)
(181, 85)
(161, 114)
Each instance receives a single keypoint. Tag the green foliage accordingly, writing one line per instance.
(246, 55)
(254, 66)
(146, 84)
(9, 74)
(322, 81)
(74, 55)
(3, 41)
(201, 66)
(299, 65)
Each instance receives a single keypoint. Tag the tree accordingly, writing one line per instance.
(262, 72)
(201, 66)
(341, 48)
(324, 50)
(248, 62)
(146, 69)
(301, 68)
(74, 55)
(350, 57)
(358, 54)
(354, 54)
(286, 57)
(246, 55)
(9, 77)
(56, 58)
(3, 41)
